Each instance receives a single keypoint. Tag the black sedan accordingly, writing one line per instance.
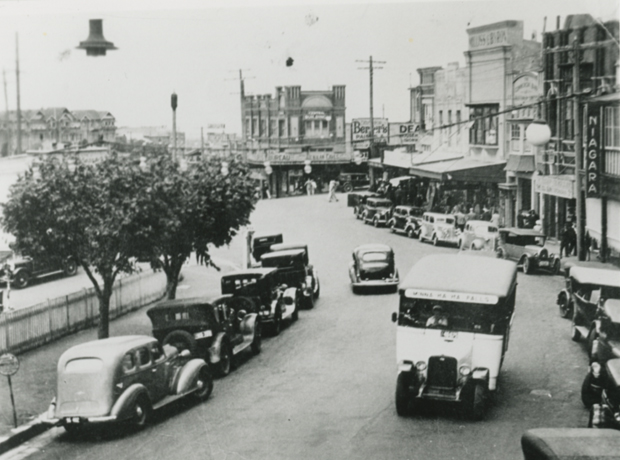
(373, 266)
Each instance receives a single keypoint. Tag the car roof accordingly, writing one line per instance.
(288, 252)
(598, 276)
(286, 246)
(251, 271)
(167, 304)
(372, 247)
(404, 207)
(612, 309)
(522, 231)
(106, 349)
(462, 273)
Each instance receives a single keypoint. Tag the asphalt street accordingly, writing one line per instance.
(324, 388)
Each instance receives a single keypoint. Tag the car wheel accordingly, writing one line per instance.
(589, 395)
(403, 397)
(204, 384)
(21, 279)
(141, 412)
(563, 305)
(527, 268)
(476, 402)
(375, 222)
(392, 228)
(317, 293)
(347, 187)
(70, 267)
(182, 340)
(277, 324)
(410, 232)
(225, 364)
(309, 302)
(556, 267)
(500, 253)
(435, 240)
(258, 338)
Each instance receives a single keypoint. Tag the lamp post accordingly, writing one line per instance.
(173, 104)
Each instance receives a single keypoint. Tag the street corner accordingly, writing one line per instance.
(23, 433)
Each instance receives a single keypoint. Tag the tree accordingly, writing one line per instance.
(189, 210)
(88, 211)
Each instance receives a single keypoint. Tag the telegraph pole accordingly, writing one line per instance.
(6, 116)
(19, 112)
(579, 208)
(371, 68)
(173, 104)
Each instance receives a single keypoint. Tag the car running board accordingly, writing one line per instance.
(170, 398)
(247, 341)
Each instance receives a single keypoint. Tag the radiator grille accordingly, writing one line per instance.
(442, 371)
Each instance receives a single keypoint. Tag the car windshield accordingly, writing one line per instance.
(454, 316)
(84, 366)
(374, 257)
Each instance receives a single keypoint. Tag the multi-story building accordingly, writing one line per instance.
(55, 128)
(295, 135)
(592, 47)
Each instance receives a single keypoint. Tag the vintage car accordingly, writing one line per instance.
(123, 379)
(527, 248)
(406, 219)
(479, 235)
(23, 269)
(273, 301)
(262, 244)
(311, 284)
(603, 345)
(605, 413)
(438, 228)
(357, 200)
(570, 444)
(590, 287)
(373, 266)
(452, 330)
(376, 211)
(576, 280)
(350, 181)
(293, 270)
(216, 330)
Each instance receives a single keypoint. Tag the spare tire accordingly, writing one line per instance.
(182, 340)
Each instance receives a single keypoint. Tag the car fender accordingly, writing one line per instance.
(187, 376)
(127, 400)
(216, 347)
(248, 323)
(352, 273)
(480, 374)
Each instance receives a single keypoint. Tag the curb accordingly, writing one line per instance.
(23, 433)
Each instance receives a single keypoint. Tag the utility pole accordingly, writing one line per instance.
(19, 111)
(580, 208)
(242, 93)
(173, 104)
(372, 124)
(6, 116)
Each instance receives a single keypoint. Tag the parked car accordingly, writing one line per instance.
(590, 287)
(605, 413)
(274, 301)
(23, 269)
(527, 248)
(357, 200)
(479, 235)
(438, 228)
(377, 211)
(453, 326)
(123, 379)
(262, 244)
(216, 330)
(570, 444)
(294, 271)
(311, 284)
(350, 181)
(373, 265)
(604, 344)
(579, 281)
(406, 219)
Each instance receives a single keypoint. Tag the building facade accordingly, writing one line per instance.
(50, 128)
(295, 135)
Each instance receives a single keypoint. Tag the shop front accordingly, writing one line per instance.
(557, 202)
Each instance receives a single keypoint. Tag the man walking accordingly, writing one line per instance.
(333, 184)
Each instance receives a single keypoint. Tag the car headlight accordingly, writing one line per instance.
(464, 371)
(420, 366)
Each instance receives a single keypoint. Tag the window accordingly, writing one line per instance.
(281, 132)
(263, 128)
(612, 127)
(484, 129)
(316, 128)
(143, 357)
(156, 351)
(84, 366)
(254, 127)
(128, 362)
(515, 137)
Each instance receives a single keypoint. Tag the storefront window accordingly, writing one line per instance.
(316, 128)
(484, 129)
(515, 137)
(612, 127)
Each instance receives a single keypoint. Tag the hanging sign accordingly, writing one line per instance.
(593, 154)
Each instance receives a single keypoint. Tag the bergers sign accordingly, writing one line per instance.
(360, 130)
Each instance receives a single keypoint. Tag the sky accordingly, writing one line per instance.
(196, 49)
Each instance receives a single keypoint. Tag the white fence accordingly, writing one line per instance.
(31, 327)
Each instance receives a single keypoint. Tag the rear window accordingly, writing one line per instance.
(374, 257)
(84, 366)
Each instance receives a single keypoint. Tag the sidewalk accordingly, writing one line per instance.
(34, 385)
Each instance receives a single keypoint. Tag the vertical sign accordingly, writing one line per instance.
(593, 154)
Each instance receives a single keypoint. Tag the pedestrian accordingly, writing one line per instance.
(312, 186)
(495, 217)
(333, 185)
(565, 241)
(471, 215)
(572, 240)
(460, 219)
(308, 186)
(266, 192)
(486, 214)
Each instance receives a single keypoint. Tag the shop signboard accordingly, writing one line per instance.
(360, 130)
(525, 93)
(563, 187)
(315, 115)
(593, 154)
(488, 39)
(403, 133)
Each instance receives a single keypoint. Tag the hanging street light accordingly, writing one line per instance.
(538, 133)
(307, 168)
(268, 168)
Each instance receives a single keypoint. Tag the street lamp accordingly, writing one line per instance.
(538, 133)
(307, 168)
(268, 168)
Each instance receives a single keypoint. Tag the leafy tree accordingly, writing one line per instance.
(87, 211)
(189, 210)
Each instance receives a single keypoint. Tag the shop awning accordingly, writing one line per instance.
(521, 163)
(462, 169)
